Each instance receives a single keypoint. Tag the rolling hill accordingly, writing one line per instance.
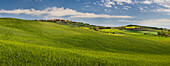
(27, 42)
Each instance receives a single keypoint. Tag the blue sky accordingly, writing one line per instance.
(98, 12)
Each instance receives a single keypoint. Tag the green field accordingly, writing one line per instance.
(127, 32)
(24, 42)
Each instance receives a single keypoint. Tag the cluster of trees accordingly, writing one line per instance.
(163, 34)
(81, 24)
(76, 24)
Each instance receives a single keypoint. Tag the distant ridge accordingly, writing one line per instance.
(62, 20)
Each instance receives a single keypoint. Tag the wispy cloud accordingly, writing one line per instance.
(60, 12)
(161, 1)
(164, 3)
(162, 10)
(128, 21)
(92, 15)
(147, 2)
(109, 3)
(154, 22)
(168, 6)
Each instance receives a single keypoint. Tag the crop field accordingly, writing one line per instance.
(33, 43)
(127, 32)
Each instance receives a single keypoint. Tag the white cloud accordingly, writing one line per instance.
(87, 6)
(128, 21)
(167, 6)
(164, 23)
(164, 3)
(127, 7)
(115, 7)
(147, 2)
(107, 10)
(60, 12)
(162, 10)
(126, 1)
(103, 1)
(161, 1)
(101, 4)
(141, 8)
(109, 3)
(94, 3)
(92, 15)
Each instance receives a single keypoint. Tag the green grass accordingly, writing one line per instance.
(127, 32)
(24, 42)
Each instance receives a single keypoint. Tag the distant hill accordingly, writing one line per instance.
(34, 43)
(81, 24)
(156, 28)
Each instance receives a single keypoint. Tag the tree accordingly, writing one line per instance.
(162, 33)
(159, 34)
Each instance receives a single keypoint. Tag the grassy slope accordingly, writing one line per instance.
(127, 32)
(36, 43)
